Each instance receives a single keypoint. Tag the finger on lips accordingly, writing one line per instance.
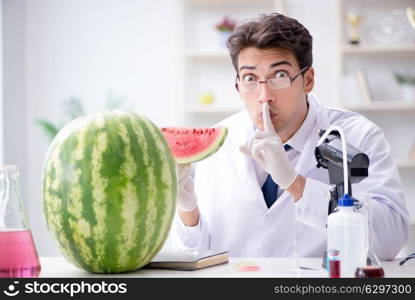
(266, 118)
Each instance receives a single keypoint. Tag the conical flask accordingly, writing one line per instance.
(18, 255)
(373, 266)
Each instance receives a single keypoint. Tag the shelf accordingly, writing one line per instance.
(406, 163)
(213, 110)
(382, 106)
(371, 49)
(207, 53)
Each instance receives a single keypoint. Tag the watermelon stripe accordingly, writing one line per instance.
(98, 185)
(80, 227)
(129, 206)
(148, 212)
(71, 200)
(142, 180)
(61, 191)
(110, 171)
(82, 163)
(169, 204)
(158, 142)
(54, 207)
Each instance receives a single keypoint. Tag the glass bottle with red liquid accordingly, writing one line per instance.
(373, 268)
(18, 255)
(333, 263)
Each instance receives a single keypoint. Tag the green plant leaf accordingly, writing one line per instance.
(75, 108)
(404, 79)
(48, 128)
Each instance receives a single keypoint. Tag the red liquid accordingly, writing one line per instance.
(369, 272)
(18, 256)
(334, 268)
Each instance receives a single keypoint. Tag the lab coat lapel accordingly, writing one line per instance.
(240, 133)
(248, 180)
(243, 164)
(307, 159)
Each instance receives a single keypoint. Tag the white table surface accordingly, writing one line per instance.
(268, 267)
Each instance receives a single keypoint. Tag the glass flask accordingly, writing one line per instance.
(373, 266)
(18, 255)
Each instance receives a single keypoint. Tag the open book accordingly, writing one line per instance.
(189, 260)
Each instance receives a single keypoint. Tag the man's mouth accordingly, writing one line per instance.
(272, 115)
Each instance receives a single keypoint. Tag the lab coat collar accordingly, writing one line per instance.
(307, 160)
(298, 140)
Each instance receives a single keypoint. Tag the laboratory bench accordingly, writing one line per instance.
(271, 267)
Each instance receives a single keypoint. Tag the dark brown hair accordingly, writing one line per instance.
(273, 31)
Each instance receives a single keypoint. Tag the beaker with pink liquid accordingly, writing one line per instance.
(18, 255)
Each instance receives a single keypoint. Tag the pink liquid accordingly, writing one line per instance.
(18, 256)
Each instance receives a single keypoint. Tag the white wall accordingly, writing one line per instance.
(57, 49)
(320, 18)
(14, 102)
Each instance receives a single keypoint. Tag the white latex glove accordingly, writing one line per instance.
(267, 148)
(186, 197)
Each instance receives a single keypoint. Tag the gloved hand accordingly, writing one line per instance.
(267, 148)
(186, 197)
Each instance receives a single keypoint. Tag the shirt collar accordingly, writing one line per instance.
(298, 140)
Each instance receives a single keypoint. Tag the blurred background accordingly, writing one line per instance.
(166, 59)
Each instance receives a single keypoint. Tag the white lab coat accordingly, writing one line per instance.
(234, 215)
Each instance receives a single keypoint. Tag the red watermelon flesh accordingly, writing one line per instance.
(192, 144)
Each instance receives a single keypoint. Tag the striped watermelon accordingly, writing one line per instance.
(109, 191)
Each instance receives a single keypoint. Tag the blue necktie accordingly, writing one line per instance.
(270, 188)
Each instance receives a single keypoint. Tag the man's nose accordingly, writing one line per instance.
(265, 93)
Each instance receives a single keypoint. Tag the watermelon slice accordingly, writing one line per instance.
(189, 144)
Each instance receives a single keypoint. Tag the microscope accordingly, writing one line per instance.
(329, 155)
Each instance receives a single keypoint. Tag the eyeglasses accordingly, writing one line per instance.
(273, 83)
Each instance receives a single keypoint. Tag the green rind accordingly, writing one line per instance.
(130, 233)
(213, 148)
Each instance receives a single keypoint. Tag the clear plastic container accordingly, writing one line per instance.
(346, 232)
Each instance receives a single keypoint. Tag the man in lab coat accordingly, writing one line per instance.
(261, 194)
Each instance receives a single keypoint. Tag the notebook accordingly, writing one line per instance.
(189, 260)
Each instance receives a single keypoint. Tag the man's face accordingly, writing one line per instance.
(287, 106)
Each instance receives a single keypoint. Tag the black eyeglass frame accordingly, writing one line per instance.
(301, 72)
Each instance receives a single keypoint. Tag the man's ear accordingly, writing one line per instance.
(308, 80)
